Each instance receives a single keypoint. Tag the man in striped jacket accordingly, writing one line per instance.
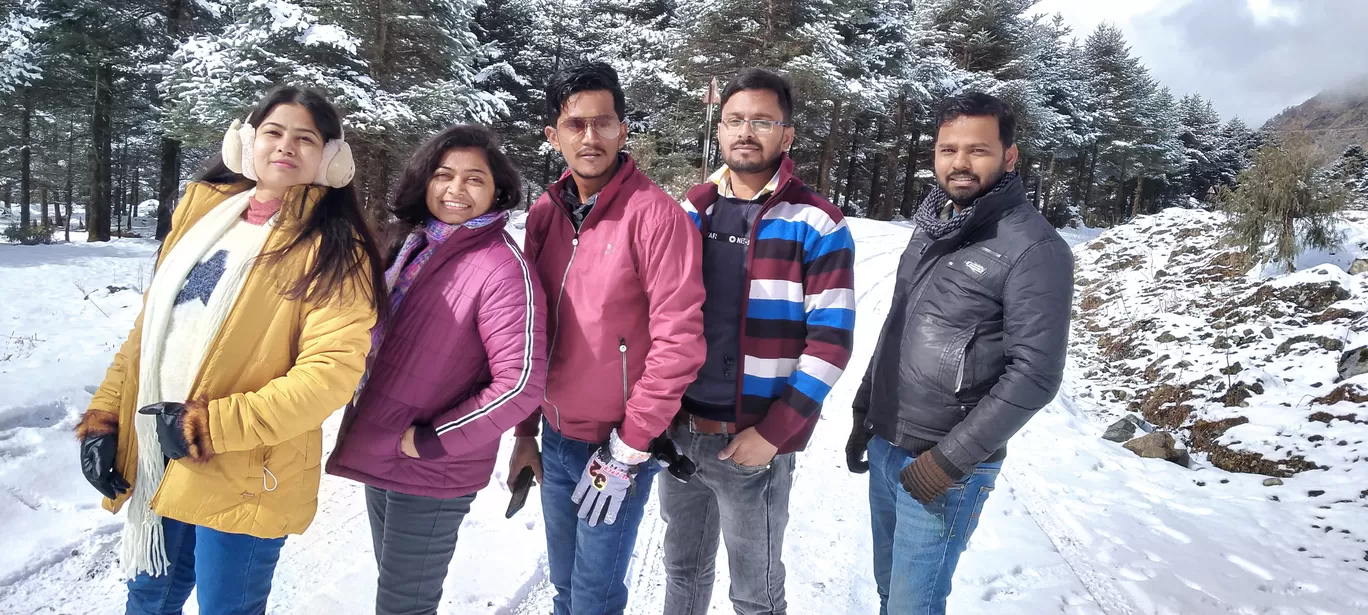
(778, 320)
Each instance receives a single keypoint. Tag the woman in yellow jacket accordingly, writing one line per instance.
(255, 328)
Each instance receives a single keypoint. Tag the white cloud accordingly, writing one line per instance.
(1252, 58)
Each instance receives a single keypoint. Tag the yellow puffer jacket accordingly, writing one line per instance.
(275, 372)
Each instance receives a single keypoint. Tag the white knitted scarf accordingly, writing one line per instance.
(144, 541)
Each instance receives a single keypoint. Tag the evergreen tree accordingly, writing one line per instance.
(21, 56)
(1351, 171)
(1283, 205)
(1200, 134)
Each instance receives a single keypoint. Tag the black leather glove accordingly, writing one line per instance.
(183, 429)
(667, 454)
(97, 464)
(857, 446)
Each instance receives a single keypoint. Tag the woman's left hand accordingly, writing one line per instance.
(407, 444)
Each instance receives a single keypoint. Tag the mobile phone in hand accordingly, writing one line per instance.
(520, 488)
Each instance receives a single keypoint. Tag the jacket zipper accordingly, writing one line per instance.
(565, 277)
(622, 349)
(574, 247)
(913, 302)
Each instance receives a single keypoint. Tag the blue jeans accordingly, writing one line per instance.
(231, 571)
(916, 546)
(588, 564)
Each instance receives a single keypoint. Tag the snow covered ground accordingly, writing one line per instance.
(1077, 524)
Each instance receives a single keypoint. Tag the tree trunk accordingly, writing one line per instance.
(46, 223)
(97, 211)
(1119, 206)
(9, 197)
(1088, 188)
(891, 169)
(1139, 188)
(1081, 170)
(137, 194)
(829, 149)
(1048, 191)
(121, 189)
(168, 183)
(70, 182)
(909, 203)
(875, 171)
(1041, 178)
(850, 181)
(26, 160)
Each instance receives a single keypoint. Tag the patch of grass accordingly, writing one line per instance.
(1334, 314)
(1166, 405)
(1344, 392)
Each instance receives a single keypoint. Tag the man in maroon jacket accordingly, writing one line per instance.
(621, 264)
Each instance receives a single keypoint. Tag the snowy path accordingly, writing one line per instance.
(1077, 525)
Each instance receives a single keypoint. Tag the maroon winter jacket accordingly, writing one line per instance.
(463, 358)
(627, 310)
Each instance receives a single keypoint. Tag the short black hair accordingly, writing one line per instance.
(762, 79)
(586, 77)
(978, 104)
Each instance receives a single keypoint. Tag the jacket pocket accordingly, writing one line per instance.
(982, 266)
(955, 369)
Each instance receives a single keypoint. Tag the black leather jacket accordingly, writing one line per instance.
(975, 340)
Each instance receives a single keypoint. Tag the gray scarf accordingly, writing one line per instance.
(928, 214)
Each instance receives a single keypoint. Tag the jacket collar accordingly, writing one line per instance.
(466, 237)
(610, 197)
(991, 207)
(702, 196)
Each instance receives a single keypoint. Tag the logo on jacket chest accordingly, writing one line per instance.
(974, 267)
(728, 238)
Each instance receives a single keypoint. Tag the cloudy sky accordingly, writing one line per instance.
(1251, 58)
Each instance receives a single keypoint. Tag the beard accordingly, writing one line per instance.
(751, 165)
(965, 196)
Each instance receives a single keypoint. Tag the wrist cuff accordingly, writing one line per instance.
(624, 453)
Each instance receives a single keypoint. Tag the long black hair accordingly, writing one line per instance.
(346, 240)
(410, 199)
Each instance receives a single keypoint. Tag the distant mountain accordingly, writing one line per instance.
(1345, 110)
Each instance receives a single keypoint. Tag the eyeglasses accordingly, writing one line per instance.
(759, 127)
(605, 126)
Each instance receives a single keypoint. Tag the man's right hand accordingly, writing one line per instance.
(857, 447)
(525, 454)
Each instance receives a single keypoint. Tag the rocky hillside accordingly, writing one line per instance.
(1339, 119)
(1226, 362)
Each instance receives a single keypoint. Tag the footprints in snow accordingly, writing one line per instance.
(40, 416)
(14, 420)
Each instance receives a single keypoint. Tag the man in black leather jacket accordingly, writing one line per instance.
(973, 346)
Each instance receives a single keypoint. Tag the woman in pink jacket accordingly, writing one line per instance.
(460, 360)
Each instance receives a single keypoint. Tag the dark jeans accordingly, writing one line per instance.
(748, 506)
(588, 564)
(414, 537)
(231, 572)
(917, 546)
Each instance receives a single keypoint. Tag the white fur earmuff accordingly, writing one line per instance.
(335, 170)
(237, 149)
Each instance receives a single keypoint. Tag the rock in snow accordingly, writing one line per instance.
(1159, 445)
(1353, 363)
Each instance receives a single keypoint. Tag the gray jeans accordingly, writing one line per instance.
(414, 537)
(746, 506)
